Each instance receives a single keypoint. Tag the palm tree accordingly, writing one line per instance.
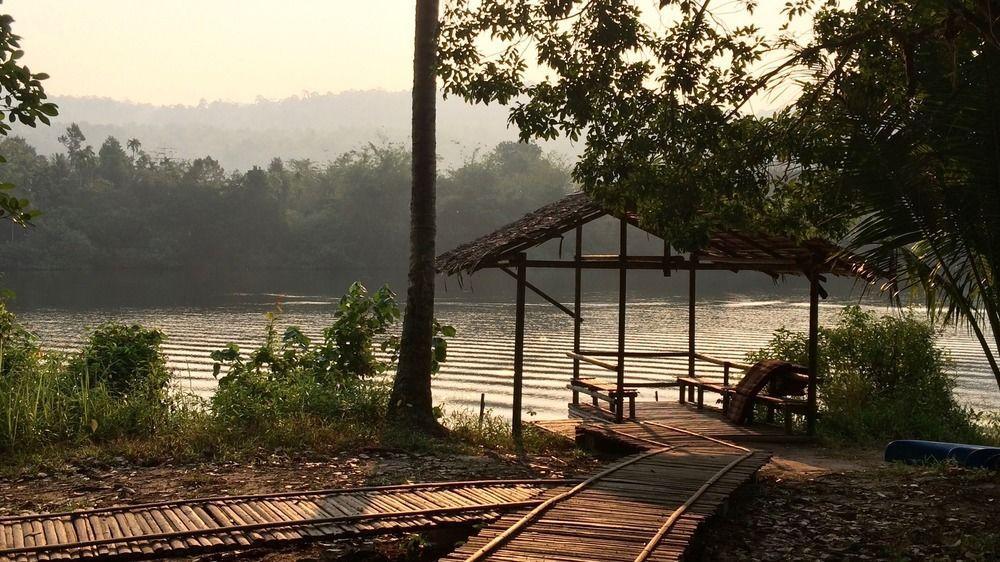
(930, 196)
(133, 145)
(410, 404)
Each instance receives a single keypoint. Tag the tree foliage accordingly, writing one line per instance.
(107, 208)
(889, 132)
(22, 100)
(652, 103)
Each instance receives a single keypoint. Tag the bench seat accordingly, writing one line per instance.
(606, 391)
(689, 386)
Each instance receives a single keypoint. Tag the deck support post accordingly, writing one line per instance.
(692, 296)
(811, 410)
(622, 279)
(519, 350)
(577, 320)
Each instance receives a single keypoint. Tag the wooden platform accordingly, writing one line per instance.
(184, 527)
(707, 421)
(646, 507)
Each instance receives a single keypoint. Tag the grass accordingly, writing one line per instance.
(193, 436)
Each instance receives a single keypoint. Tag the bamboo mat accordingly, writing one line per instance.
(185, 527)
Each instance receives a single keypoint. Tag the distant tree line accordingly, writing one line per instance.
(120, 207)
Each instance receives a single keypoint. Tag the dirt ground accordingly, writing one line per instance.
(97, 484)
(809, 503)
(87, 484)
(816, 504)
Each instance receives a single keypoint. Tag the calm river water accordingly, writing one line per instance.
(198, 320)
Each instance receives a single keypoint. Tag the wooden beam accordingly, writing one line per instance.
(692, 295)
(649, 354)
(721, 362)
(811, 411)
(577, 306)
(541, 293)
(656, 263)
(592, 361)
(622, 280)
(519, 352)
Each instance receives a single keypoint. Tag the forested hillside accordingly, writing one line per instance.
(316, 126)
(118, 205)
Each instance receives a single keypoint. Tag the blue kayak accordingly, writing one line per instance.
(913, 451)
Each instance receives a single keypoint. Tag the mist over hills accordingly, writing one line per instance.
(315, 126)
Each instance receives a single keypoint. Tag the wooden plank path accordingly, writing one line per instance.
(183, 527)
(706, 421)
(646, 507)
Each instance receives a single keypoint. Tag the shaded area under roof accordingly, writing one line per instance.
(734, 250)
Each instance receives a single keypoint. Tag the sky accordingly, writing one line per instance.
(184, 51)
(168, 52)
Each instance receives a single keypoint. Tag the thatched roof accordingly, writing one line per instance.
(729, 249)
(538, 226)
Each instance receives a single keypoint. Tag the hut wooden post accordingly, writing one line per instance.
(692, 295)
(622, 278)
(577, 280)
(519, 349)
(811, 411)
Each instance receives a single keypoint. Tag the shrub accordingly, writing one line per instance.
(125, 359)
(19, 350)
(336, 379)
(114, 387)
(881, 377)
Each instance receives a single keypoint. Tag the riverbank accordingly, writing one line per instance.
(809, 503)
(859, 508)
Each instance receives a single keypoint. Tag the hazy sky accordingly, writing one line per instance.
(184, 51)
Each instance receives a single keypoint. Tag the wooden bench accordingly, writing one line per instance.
(607, 391)
(693, 390)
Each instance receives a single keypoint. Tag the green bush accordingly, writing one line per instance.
(115, 386)
(289, 392)
(336, 379)
(125, 359)
(881, 377)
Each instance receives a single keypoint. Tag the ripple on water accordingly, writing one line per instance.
(480, 356)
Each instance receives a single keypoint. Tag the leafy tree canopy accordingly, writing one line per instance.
(890, 134)
(22, 100)
(660, 96)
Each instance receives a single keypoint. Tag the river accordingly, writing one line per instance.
(200, 315)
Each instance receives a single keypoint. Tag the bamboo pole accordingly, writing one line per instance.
(692, 295)
(519, 351)
(622, 280)
(814, 290)
(577, 307)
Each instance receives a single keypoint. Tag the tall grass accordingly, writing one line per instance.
(91, 395)
(290, 393)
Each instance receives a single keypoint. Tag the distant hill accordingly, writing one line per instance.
(318, 127)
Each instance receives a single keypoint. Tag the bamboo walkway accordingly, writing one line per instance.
(706, 421)
(646, 507)
(184, 527)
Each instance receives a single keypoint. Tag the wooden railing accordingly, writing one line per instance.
(589, 356)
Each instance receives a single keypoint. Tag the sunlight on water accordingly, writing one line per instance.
(480, 357)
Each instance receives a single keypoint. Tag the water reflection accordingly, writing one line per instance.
(201, 312)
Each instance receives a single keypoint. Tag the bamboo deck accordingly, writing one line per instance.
(707, 421)
(186, 527)
(647, 507)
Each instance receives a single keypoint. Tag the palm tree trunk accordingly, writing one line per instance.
(410, 403)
